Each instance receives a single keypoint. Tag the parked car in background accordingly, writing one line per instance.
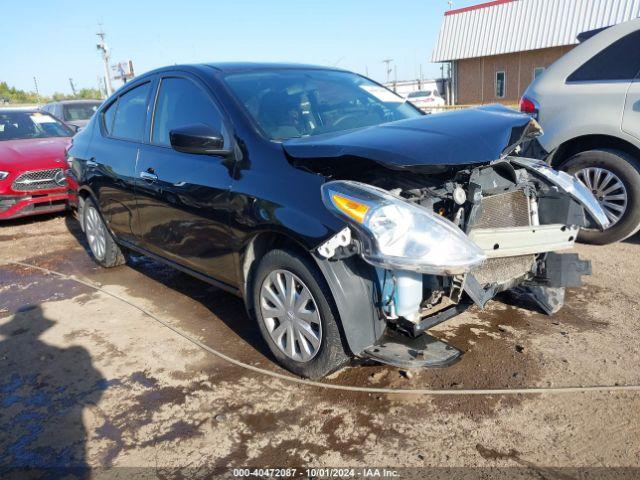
(75, 113)
(348, 221)
(428, 100)
(588, 103)
(32, 163)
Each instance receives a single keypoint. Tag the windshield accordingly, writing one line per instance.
(79, 111)
(300, 103)
(20, 125)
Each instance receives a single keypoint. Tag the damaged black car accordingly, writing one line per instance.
(348, 221)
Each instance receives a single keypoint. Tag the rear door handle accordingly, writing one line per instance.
(152, 177)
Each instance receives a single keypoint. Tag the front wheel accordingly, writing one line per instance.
(614, 179)
(295, 314)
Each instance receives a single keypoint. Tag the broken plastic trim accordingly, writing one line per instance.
(569, 184)
(340, 239)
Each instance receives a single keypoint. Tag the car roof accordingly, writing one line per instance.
(232, 67)
(238, 66)
(21, 109)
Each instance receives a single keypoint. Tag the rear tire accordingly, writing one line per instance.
(105, 250)
(317, 347)
(625, 168)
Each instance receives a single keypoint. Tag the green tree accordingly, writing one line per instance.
(13, 95)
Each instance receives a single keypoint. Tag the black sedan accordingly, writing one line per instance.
(348, 221)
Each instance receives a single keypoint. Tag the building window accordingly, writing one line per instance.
(501, 78)
(537, 72)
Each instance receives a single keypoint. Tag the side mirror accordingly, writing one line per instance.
(199, 139)
(73, 127)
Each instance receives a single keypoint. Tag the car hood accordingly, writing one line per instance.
(464, 137)
(33, 153)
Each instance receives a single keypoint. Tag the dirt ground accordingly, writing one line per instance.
(89, 380)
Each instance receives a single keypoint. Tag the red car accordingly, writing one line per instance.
(32, 163)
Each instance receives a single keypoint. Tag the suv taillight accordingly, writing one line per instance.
(528, 106)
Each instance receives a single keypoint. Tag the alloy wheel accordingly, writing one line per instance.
(291, 315)
(608, 189)
(96, 233)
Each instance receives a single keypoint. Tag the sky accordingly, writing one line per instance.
(55, 40)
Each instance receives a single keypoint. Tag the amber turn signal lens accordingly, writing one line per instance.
(351, 208)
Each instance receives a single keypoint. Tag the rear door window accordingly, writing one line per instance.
(620, 61)
(108, 115)
(130, 114)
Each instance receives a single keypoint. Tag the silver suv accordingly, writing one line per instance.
(588, 103)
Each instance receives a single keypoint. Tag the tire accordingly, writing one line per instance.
(105, 251)
(623, 166)
(330, 354)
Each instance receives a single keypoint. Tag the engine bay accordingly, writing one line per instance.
(518, 219)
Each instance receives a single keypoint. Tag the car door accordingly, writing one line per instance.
(631, 119)
(111, 166)
(183, 198)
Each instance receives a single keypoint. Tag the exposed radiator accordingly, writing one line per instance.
(504, 210)
(503, 270)
(509, 209)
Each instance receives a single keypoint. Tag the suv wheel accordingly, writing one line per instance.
(614, 179)
(104, 249)
(295, 314)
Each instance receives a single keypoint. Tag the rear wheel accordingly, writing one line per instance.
(104, 249)
(614, 179)
(295, 314)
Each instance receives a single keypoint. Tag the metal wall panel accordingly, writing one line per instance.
(522, 25)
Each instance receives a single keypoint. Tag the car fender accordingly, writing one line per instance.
(351, 281)
(356, 295)
(84, 192)
(554, 138)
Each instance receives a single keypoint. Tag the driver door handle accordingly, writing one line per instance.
(152, 177)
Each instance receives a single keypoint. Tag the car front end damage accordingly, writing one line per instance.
(439, 243)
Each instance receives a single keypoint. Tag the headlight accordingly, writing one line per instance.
(3, 175)
(399, 235)
(570, 185)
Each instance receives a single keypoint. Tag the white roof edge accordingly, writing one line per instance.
(523, 25)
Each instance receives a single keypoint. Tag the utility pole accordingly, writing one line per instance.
(73, 87)
(387, 62)
(104, 49)
(35, 82)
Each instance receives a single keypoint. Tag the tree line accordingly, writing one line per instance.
(13, 95)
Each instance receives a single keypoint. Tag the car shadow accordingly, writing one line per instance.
(223, 305)
(73, 225)
(634, 239)
(44, 390)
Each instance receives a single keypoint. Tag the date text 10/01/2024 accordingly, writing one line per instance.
(315, 472)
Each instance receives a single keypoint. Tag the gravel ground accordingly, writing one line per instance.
(89, 380)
